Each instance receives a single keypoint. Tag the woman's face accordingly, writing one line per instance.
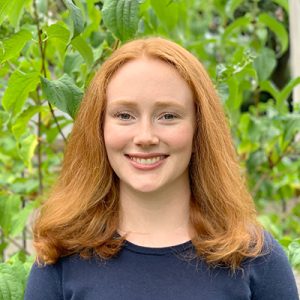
(149, 125)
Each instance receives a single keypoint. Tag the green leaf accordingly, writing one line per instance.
(19, 220)
(57, 31)
(4, 117)
(72, 63)
(76, 16)
(12, 9)
(9, 206)
(14, 44)
(269, 87)
(26, 148)
(121, 17)
(42, 6)
(233, 102)
(278, 29)
(265, 63)
(11, 287)
(283, 3)
(84, 49)
(268, 223)
(19, 86)
(286, 91)
(231, 6)
(167, 12)
(21, 123)
(22, 265)
(63, 93)
(294, 253)
(292, 127)
(237, 24)
(13, 276)
(280, 96)
(5, 8)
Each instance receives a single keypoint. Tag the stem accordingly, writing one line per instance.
(39, 153)
(283, 205)
(2, 254)
(42, 50)
(20, 247)
(24, 242)
(258, 184)
(57, 124)
(280, 157)
(116, 45)
(24, 236)
(43, 69)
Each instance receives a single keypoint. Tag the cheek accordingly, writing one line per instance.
(114, 138)
(182, 138)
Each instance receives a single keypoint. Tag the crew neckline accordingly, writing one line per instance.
(179, 248)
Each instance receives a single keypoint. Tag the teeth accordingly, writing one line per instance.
(146, 161)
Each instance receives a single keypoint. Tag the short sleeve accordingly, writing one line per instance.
(271, 275)
(44, 283)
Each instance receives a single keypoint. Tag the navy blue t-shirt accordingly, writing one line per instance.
(169, 273)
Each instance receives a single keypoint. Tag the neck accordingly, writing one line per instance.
(156, 219)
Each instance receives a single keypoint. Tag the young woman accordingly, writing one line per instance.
(150, 203)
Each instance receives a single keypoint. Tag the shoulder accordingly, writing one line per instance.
(270, 274)
(45, 281)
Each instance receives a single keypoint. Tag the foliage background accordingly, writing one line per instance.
(50, 50)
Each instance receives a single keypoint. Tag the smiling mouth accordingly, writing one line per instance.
(147, 161)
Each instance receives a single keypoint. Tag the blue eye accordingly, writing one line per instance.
(123, 116)
(169, 116)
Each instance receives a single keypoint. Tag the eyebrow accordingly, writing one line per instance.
(158, 104)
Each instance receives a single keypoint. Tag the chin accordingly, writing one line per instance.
(147, 188)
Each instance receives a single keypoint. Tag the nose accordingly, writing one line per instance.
(145, 135)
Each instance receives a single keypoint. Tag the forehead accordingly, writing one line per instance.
(148, 79)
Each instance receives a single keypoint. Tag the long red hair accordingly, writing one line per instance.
(82, 212)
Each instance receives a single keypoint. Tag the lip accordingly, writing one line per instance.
(140, 166)
(145, 155)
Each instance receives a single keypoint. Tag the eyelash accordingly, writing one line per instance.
(120, 116)
(174, 116)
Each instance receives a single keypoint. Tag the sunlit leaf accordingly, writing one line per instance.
(4, 116)
(20, 125)
(121, 17)
(167, 12)
(14, 44)
(19, 86)
(57, 31)
(12, 9)
(19, 220)
(84, 49)
(26, 149)
(9, 206)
